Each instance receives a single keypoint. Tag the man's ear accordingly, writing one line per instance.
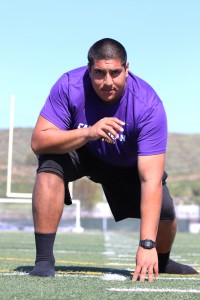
(89, 68)
(127, 69)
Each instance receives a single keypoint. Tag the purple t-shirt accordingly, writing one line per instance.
(73, 103)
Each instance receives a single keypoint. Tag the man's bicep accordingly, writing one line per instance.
(153, 134)
(151, 167)
(43, 124)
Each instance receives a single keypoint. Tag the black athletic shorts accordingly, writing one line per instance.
(121, 186)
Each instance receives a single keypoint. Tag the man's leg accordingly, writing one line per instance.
(48, 201)
(165, 237)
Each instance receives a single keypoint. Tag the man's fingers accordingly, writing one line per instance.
(156, 272)
(136, 274)
(142, 273)
(116, 120)
(109, 130)
(150, 274)
(142, 277)
(113, 124)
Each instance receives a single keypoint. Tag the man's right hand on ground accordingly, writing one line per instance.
(146, 265)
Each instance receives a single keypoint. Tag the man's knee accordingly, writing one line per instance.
(167, 209)
(168, 213)
(49, 181)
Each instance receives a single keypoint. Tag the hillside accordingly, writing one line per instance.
(182, 164)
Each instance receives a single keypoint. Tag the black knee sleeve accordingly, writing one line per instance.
(167, 209)
(66, 166)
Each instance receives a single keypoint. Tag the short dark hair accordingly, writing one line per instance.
(107, 48)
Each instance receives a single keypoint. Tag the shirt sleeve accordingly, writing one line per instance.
(56, 108)
(152, 137)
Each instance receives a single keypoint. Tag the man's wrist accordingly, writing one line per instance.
(147, 244)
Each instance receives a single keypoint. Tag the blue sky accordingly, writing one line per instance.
(42, 39)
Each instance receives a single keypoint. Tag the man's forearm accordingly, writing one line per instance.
(151, 199)
(53, 141)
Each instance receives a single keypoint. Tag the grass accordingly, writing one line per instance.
(93, 265)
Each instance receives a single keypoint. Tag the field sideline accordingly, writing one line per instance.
(93, 265)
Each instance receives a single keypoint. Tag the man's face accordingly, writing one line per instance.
(109, 79)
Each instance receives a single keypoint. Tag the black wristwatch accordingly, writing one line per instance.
(147, 244)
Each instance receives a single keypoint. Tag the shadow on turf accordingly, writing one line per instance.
(81, 270)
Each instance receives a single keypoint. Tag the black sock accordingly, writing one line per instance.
(168, 266)
(44, 246)
(44, 263)
(162, 261)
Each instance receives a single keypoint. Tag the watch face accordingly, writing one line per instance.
(147, 244)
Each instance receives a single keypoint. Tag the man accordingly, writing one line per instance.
(105, 123)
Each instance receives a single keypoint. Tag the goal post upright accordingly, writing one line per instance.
(10, 145)
(25, 197)
(9, 194)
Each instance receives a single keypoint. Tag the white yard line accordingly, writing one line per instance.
(121, 258)
(147, 290)
(181, 278)
(57, 275)
(106, 276)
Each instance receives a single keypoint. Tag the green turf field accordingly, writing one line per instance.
(93, 265)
